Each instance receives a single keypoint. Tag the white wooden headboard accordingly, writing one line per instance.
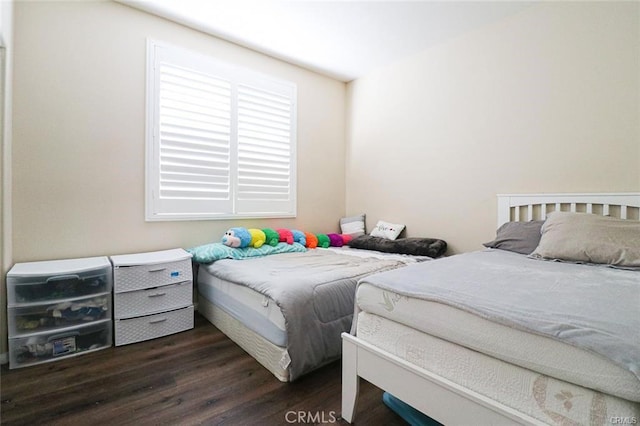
(520, 207)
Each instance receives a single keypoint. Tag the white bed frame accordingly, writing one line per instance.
(441, 399)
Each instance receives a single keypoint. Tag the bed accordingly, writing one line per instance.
(288, 310)
(476, 339)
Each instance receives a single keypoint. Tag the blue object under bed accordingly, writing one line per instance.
(407, 412)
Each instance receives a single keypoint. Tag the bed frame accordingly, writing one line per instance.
(441, 399)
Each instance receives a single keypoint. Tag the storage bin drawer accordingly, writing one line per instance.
(33, 318)
(59, 279)
(152, 326)
(58, 344)
(139, 277)
(152, 300)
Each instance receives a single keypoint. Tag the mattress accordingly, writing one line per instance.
(560, 319)
(540, 396)
(532, 351)
(257, 312)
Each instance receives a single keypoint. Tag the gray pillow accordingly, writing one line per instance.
(431, 247)
(519, 237)
(590, 238)
(353, 225)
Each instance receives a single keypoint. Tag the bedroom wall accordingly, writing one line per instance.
(79, 133)
(547, 100)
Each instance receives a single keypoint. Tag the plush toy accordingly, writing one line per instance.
(272, 237)
(237, 237)
(285, 235)
(323, 240)
(346, 238)
(335, 240)
(298, 237)
(312, 240)
(257, 237)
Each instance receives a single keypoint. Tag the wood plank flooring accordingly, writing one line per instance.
(198, 377)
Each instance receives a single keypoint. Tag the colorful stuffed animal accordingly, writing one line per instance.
(298, 237)
(285, 236)
(258, 237)
(323, 240)
(236, 237)
(272, 237)
(312, 240)
(335, 240)
(346, 239)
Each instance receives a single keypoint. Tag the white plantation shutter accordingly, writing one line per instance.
(220, 139)
(264, 150)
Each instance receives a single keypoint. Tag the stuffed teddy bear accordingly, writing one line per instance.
(312, 240)
(236, 237)
(298, 237)
(335, 240)
(285, 236)
(323, 240)
(272, 237)
(258, 237)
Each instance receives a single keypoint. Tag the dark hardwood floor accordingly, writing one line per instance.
(195, 377)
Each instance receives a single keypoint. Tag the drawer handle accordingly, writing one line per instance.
(157, 294)
(157, 321)
(63, 278)
(157, 270)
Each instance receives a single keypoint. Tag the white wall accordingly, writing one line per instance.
(79, 129)
(547, 100)
(6, 77)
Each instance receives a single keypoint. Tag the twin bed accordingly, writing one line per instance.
(499, 337)
(288, 310)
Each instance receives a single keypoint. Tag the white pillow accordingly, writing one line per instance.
(353, 225)
(387, 230)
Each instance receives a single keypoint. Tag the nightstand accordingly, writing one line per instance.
(153, 295)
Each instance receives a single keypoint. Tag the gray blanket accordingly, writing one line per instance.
(589, 306)
(315, 292)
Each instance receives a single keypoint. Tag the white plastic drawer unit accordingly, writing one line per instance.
(153, 295)
(58, 279)
(58, 309)
(44, 347)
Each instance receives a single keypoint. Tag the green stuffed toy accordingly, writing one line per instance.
(323, 240)
(272, 237)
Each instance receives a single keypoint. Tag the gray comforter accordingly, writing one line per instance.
(315, 292)
(590, 306)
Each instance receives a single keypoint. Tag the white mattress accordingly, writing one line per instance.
(259, 313)
(538, 353)
(540, 396)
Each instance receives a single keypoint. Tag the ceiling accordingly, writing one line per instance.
(342, 39)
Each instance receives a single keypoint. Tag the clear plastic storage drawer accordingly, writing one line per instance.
(58, 344)
(33, 318)
(60, 279)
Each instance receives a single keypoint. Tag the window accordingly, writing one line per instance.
(221, 139)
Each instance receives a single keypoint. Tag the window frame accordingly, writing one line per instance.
(239, 76)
